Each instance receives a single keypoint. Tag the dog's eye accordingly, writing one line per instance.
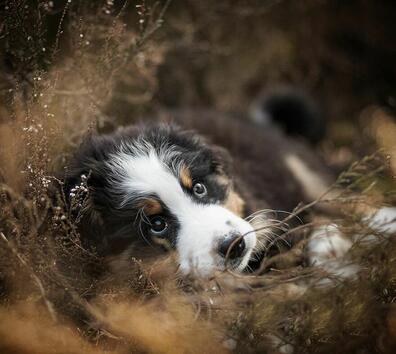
(199, 190)
(158, 225)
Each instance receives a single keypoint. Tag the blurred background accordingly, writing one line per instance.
(106, 63)
(70, 67)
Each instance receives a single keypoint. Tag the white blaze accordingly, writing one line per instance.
(202, 226)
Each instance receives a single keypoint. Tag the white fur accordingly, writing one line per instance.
(311, 182)
(326, 243)
(384, 220)
(202, 227)
(327, 249)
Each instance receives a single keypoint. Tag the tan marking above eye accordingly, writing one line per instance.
(151, 206)
(185, 177)
(234, 203)
(222, 180)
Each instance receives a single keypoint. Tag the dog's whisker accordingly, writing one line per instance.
(266, 227)
(263, 213)
(268, 222)
(142, 217)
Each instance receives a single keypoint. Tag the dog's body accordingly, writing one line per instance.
(161, 184)
(272, 170)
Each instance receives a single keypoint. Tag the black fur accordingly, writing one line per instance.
(257, 153)
(293, 111)
(110, 228)
(252, 159)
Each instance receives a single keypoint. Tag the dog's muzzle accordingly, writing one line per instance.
(212, 238)
(232, 247)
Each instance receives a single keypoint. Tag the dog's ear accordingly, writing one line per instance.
(82, 179)
(81, 207)
(222, 160)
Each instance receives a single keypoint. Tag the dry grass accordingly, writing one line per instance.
(98, 60)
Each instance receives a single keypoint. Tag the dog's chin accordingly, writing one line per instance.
(209, 270)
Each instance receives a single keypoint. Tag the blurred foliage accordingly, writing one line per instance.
(70, 67)
(219, 54)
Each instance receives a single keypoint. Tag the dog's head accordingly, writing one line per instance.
(160, 185)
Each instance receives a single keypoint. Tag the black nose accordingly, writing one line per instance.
(234, 245)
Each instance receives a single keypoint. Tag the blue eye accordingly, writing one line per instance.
(158, 225)
(199, 190)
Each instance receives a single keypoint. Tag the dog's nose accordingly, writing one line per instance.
(234, 245)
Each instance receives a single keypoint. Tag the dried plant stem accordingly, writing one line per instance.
(32, 274)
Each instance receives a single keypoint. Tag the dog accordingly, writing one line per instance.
(193, 181)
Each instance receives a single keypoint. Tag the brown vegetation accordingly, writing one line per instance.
(71, 67)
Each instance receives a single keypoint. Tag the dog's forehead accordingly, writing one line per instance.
(163, 168)
(140, 169)
(174, 147)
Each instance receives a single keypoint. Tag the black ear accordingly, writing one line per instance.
(86, 169)
(222, 160)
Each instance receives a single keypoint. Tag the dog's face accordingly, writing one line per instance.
(167, 187)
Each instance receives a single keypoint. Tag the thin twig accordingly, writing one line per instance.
(35, 278)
